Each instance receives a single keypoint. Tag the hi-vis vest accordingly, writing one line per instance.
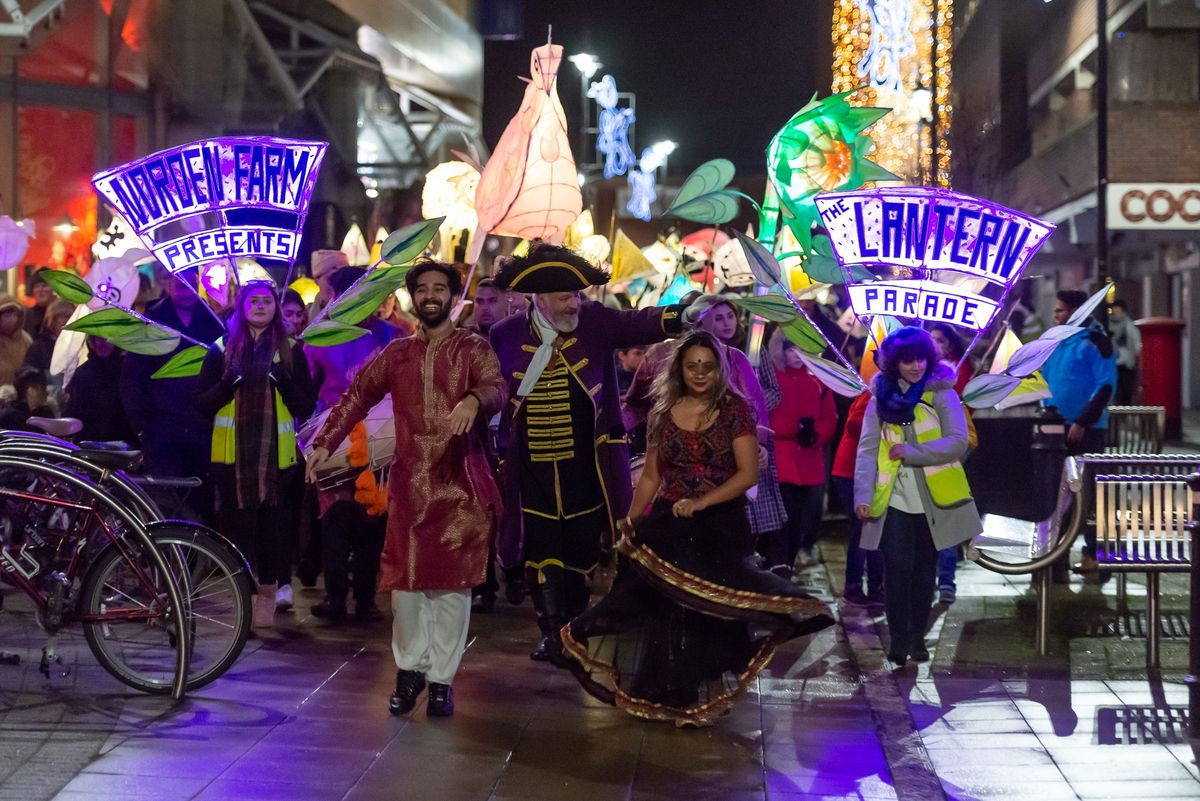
(224, 439)
(947, 482)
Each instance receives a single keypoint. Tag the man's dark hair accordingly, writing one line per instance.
(343, 278)
(487, 283)
(293, 297)
(453, 279)
(1071, 298)
(1119, 304)
(957, 349)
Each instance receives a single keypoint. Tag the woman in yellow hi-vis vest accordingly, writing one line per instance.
(910, 490)
(257, 385)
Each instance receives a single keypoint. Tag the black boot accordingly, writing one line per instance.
(440, 703)
(409, 684)
(555, 600)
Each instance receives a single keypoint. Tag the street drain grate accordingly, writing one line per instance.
(1172, 626)
(1141, 725)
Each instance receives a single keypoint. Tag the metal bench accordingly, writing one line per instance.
(1141, 527)
(1136, 429)
(1020, 547)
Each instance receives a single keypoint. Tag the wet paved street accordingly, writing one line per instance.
(303, 716)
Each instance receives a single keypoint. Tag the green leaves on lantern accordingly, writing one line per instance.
(404, 245)
(361, 300)
(838, 378)
(185, 364)
(67, 285)
(821, 265)
(988, 389)
(331, 332)
(128, 331)
(806, 336)
(775, 308)
(703, 197)
(764, 265)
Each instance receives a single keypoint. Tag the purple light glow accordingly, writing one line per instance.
(178, 200)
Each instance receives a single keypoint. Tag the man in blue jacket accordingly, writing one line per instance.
(1082, 376)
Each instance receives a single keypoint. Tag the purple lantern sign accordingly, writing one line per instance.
(932, 254)
(225, 198)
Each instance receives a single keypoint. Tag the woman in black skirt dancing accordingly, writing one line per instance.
(690, 620)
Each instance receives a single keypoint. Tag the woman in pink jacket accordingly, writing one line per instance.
(804, 423)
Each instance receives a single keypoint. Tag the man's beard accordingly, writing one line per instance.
(565, 323)
(432, 319)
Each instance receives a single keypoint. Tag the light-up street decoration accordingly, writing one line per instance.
(641, 193)
(613, 124)
(932, 254)
(217, 198)
(900, 53)
(891, 42)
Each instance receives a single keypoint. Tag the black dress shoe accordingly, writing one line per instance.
(409, 684)
(482, 604)
(920, 653)
(541, 652)
(897, 658)
(329, 610)
(440, 703)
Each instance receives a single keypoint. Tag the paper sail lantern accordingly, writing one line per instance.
(355, 246)
(113, 280)
(529, 187)
(228, 197)
(928, 255)
(307, 288)
(628, 261)
(115, 240)
(14, 241)
(664, 258)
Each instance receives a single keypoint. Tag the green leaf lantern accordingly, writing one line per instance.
(703, 197)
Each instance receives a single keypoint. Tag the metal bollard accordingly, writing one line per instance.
(1049, 451)
(1193, 677)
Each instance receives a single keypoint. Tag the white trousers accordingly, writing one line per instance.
(429, 631)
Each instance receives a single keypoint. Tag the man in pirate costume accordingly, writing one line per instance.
(567, 461)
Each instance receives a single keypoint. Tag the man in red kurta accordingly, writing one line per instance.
(445, 385)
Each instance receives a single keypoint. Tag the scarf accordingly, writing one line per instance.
(896, 405)
(542, 355)
(255, 467)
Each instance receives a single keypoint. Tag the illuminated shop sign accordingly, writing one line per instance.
(928, 254)
(242, 196)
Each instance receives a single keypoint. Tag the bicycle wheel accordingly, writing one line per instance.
(216, 587)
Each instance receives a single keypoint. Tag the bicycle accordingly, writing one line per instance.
(75, 574)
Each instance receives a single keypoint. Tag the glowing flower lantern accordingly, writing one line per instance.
(306, 288)
(14, 241)
(820, 149)
(529, 187)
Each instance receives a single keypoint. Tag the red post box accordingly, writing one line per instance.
(1162, 368)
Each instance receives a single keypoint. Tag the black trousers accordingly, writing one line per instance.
(351, 542)
(559, 554)
(909, 574)
(804, 505)
(258, 534)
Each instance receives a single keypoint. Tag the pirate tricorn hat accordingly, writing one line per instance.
(549, 268)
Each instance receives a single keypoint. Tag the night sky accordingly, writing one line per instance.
(718, 77)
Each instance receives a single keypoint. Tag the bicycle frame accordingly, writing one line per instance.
(135, 527)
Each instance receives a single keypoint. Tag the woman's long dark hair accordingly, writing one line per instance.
(240, 341)
(669, 386)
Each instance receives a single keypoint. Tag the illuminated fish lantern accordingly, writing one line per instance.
(822, 148)
(14, 241)
(355, 246)
(529, 187)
